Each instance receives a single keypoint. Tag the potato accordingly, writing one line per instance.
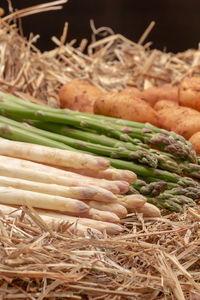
(169, 117)
(161, 104)
(156, 93)
(118, 105)
(195, 140)
(78, 95)
(189, 92)
(132, 91)
(188, 126)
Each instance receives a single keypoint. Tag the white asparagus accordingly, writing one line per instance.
(110, 228)
(132, 201)
(99, 215)
(123, 186)
(39, 176)
(59, 157)
(54, 223)
(12, 196)
(115, 208)
(79, 192)
(109, 173)
(149, 210)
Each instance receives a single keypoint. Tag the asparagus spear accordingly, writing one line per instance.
(170, 185)
(79, 192)
(190, 192)
(177, 195)
(87, 136)
(138, 125)
(166, 204)
(167, 140)
(190, 169)
(179, 199)
(148, 210)
(115, 187)
(166, 162)
(27, 113)
(152, 189)
(142, 156)
(12, 127)
(18, 134)
(163, 136)
(145, 187)
(41, 200)
(179, 188)
(145, 171)
(162, 140)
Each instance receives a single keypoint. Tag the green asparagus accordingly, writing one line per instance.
(145, 171)
(165, 141)
(143, 185)
(22, 135)
(164, 160)
(190, 169)
(166, 204)
(139, 155)
(152, 189)
(190, 192)
(26, 113)
(179, 199)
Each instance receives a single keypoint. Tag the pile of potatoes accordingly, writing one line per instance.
(168, 107)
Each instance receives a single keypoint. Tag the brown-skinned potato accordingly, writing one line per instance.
(123, 106)
(188, 126)
(132, 91)
(195, 141)
(156, 93)
(162, 104)
(78, 95)
(189, 92)
(170, 117)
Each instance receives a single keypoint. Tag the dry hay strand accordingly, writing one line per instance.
(153, 259)
(111, 62)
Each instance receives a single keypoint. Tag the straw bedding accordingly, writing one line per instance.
(153, 258)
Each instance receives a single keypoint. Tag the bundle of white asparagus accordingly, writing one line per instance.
(78, 188)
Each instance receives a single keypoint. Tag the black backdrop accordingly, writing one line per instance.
(177, 21)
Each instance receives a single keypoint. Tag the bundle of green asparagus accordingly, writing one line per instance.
(165, 163)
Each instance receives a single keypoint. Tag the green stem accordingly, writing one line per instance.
(145, 171)
(27, 113)
(138, 153)
(122, 152)
(17, 134)
(152, 189)
(168, 204)
(167, 141)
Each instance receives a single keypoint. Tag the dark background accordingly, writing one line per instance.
(177, 21)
